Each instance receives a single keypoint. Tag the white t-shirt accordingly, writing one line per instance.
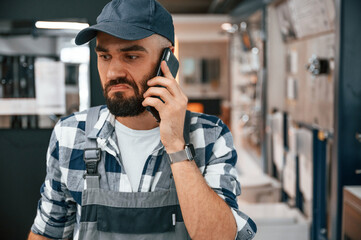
(135, 146)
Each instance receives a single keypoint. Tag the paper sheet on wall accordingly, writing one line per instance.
(292, 139)
(277, 123)
(293, 55)
(277, 138)
(292, 88)
(289, 175)
(50, 86)
(306, 176)
(278, 151)
(304, 143)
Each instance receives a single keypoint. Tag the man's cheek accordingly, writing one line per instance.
(144, 86)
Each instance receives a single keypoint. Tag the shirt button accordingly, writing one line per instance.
(249, 232)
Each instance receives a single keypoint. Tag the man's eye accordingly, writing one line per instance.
(105, 57)
(132, 57)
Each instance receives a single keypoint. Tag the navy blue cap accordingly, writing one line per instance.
(131, 20)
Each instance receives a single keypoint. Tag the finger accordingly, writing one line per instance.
(172, 85)
(161, 92)
(176, 93)
(166, 71)
(162, 81)
(153, 102)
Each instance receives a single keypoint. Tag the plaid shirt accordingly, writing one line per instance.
(58, 213)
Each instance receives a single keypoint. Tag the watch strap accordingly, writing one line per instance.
(178, 156)
(186, 154)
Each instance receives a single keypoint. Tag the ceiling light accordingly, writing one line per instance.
(61, 25)
(228, 27)
(243, 26)
(255, 50)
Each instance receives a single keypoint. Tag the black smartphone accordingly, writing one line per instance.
(173, 66)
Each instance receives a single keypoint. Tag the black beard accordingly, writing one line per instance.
(119, 105)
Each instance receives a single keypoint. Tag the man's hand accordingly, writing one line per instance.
(172, 111)
(33, 236)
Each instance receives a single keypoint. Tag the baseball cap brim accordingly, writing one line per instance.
(123, 31)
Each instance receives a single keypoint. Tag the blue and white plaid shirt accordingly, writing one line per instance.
(59, 212)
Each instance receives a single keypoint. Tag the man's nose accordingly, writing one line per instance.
(116, 69)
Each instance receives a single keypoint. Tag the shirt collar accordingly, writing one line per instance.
(104, 126)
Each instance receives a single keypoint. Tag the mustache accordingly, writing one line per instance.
(121, 80)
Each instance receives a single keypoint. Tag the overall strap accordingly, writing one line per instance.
(91, 150)
(186, 129)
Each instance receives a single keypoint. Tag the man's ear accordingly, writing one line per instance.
(172, 48)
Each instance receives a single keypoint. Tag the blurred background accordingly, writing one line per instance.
(284, 76)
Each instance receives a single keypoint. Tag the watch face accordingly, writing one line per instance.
(191, 151)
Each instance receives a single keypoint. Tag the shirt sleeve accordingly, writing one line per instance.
(221, 175)
(56, 209)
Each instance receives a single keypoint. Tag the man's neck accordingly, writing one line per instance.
(144, 121)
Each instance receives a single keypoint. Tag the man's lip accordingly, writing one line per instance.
(120, 87)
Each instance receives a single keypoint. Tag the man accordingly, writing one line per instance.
(139, 179)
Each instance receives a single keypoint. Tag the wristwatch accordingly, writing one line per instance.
(187, 153)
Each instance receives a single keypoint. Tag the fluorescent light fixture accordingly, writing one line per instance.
(61, 25)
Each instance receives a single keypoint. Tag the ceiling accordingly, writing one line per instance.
(199, 6)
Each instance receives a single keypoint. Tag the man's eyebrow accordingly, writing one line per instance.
(99, 48)
(133, 48)
(126, 49)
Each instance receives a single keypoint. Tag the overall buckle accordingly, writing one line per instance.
(91, 159)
